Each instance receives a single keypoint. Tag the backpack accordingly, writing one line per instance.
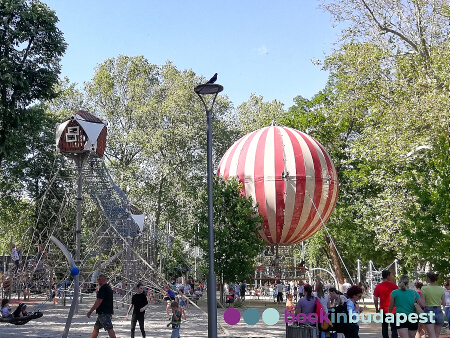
(342, 325)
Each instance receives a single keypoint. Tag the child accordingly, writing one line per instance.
(169, 296)
(176, 320)
(20, 311)
(182, 302)
(54, 294)
(6, 309)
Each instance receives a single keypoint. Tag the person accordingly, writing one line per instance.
(295, 292)
(176, 320)
(242, 291)
(55, 293)
(139, 302)
(434, 297)
(290, 307)
(447, 302)
(421, 329)
(182, 302)
(381, 299)
(237, 290)
(103, 307)
(403, 300)
(300, 289)
(333, 298)
(279, 292)
(307, 304)
(6, 309)
(15, 257)
(354, 294)
(321, 296)
(20, 311)
(169, 297)
(230, 296)
(345, 287)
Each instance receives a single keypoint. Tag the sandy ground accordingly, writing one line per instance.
(53, 322)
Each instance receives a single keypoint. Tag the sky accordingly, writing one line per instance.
(256, 46)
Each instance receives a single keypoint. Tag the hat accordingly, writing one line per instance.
(385, 273)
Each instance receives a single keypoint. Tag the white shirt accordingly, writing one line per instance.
(345, 287)
(14, 254)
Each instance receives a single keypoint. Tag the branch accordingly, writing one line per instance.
(389, 30)
(30, 42)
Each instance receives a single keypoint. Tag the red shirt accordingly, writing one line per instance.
(383, 291)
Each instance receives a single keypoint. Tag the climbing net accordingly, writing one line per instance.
(112, 244)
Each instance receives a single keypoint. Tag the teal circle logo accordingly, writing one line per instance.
(270, 316)
(251, 316)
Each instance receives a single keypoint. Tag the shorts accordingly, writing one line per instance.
(408, 325)
(438, 315)
(104, 321)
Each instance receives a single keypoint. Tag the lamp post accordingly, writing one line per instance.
(210, 89)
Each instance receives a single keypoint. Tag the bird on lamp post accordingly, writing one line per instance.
(213, 79)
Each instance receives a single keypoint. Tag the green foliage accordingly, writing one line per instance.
(254, 113)
(30, 49)
(236, 223)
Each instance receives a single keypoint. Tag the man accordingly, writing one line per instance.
(103, 307)
(382, 293)
(279, 292)
(242, 290)
(345, 287)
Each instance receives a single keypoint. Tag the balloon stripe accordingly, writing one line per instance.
(240, 172)
(259, 183)
(317, 186)
(300, 182)
(280, 186)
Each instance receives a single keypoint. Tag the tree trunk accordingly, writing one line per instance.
(336, 263)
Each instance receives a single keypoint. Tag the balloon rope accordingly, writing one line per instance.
(331, 239)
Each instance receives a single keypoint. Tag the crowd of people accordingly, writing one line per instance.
(391, 300)
(178, 297)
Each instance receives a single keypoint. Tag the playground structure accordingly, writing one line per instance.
(115, 242)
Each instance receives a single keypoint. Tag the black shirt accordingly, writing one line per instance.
(106, 306)
(139, 300)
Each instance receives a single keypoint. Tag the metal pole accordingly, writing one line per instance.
(76, 277)
(79, 162)
(396, 268)
(212, 305)
(359, 270)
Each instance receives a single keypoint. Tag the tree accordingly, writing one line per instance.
(236, 223)
(254, 113)
(30, 49)
(157, 136)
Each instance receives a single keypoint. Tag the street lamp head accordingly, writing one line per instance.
(208, 88)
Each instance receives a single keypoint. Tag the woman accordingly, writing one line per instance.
(434, 297)
(6, 309)
(307, 304)
(354, 293)
(403, 300)
(140, 303)
(333, 298)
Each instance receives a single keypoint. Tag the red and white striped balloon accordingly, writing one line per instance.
(288, 173)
